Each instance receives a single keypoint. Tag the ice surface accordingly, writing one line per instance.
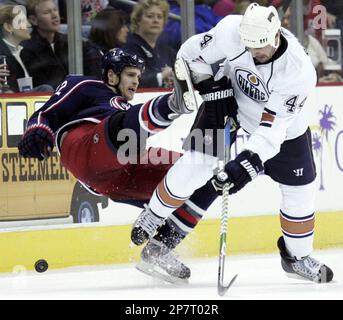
(260, 277)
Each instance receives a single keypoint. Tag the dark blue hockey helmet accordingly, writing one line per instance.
(117, 59)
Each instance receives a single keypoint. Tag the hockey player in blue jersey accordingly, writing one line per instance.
(85, 116)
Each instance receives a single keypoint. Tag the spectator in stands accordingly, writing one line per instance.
(224, 7)
(316, 52)
(90, 8)
(205, 19)
(241, 6)
(309, 16)
(109, 30)
(319, 58)
(13, 2)
(14, 28)
(46, 54)
(147, 22)
(266, 3)
(121, 5)
(334, 13)
(286, 19)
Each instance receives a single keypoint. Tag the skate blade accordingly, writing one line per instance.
(191, 97)
(296, 276)
(158, 273)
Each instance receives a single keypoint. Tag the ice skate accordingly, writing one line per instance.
(145, 226)
(308, 267)
(184, 98)
(159, 261)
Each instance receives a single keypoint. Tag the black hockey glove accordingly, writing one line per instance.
(219, 100)
(37, 142)
(239, 172)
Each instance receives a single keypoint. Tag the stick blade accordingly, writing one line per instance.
(223, 289)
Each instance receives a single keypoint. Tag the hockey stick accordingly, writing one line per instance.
(221, 287)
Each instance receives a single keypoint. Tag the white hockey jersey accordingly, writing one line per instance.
(271, 97)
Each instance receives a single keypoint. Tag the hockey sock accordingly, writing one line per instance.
(298, 234)
(151, 117)
(161, 108)
(191, 212)
(184, 219)
(297, 218)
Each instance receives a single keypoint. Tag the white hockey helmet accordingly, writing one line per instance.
(259, 26)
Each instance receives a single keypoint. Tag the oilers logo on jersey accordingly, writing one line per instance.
(251, 85)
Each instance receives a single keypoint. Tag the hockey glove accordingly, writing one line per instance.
(239, 172)
(219, 100)
(37, 142)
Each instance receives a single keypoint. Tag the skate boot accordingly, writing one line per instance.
(184, 98)
(308, 267)
(145, 226)
(159, 261)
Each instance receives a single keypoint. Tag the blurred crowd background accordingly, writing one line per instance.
(34, 54)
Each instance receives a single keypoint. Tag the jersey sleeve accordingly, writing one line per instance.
(285, 106)
(202, 50)
(68, 99)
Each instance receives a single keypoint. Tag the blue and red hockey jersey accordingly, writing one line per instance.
(81, 98)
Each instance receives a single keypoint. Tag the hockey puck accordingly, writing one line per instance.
(41, 265)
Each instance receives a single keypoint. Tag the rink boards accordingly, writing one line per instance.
(89, 245)
(253, 224)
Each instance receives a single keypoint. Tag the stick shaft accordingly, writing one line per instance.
(224, 214)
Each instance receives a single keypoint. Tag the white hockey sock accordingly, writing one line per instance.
(299, 248)
(188, 174)
(297, 218)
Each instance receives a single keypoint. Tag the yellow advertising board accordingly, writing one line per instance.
(32, 189)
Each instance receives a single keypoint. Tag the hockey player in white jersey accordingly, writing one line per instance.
(271, 76)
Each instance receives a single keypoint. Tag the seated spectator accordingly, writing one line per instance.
(13, 2)
(309, 16)
(334, 13)
(121, 5)
(14, 28)
(90, 8)
(241, 6)
(266, 3)
(205, 19)
(224, 7)
(45, 55)
(286, 19)
(316, 52)
(147, 22)
(319, 59)
(332, 77)
(109, 30)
